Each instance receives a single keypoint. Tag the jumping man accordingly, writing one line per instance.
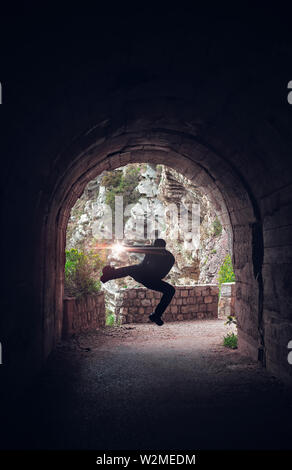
(150, 272)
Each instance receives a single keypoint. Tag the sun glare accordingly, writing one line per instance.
(117, 249)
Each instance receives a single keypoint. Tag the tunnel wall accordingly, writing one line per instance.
(83, 314)
(211, 107)
(235, 200)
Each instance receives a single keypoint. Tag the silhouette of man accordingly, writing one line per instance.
(155, 266)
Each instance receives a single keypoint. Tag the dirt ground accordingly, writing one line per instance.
(148, 387)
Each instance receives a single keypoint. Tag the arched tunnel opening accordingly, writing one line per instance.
(223, 186)
(192, 100)
(132, 206)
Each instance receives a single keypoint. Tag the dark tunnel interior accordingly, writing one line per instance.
(204, 94)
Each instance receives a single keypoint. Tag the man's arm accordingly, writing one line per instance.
(153, 250)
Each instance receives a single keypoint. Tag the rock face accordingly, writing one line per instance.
(195, 262)
(166, 206)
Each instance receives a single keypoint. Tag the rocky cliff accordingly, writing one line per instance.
(157, 190)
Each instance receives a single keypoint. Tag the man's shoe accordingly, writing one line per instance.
(156, 319)
(107, 274)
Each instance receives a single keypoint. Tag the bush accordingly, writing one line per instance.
(81, 273)
(121, 184)
(110, 319)
(230, 341)
(112, 179)
(226, 273)
(217, 227)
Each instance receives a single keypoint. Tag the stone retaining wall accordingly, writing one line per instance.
(189, 302)
(83, 314)
(226, 305)
(135, 305)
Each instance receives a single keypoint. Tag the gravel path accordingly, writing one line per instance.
(148, 387)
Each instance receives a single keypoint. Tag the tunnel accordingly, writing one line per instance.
(199, 164)
(210, 103)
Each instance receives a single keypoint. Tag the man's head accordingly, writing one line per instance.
(160, 243)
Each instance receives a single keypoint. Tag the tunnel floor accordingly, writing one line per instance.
(145, 387)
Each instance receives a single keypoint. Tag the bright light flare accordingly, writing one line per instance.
(117, 249)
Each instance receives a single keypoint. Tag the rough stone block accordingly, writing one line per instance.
(212, 307)
(202, 308)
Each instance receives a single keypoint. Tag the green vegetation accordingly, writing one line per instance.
(112, 179)
(158, 171)
(230, 341)
(226, 273)
(82, 272)
(217, 227)
(110, 318)
(119, 184)
(213, 252)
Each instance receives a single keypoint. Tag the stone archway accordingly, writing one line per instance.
(107, 146)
